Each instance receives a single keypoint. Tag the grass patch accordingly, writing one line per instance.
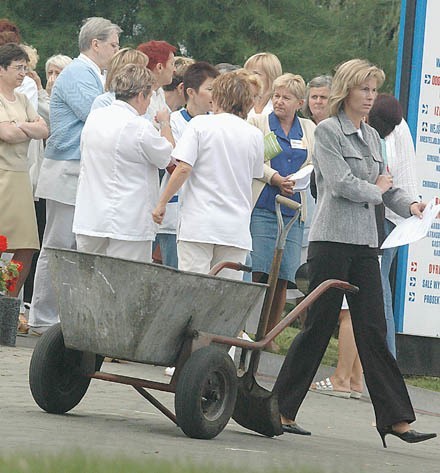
(425, 382)
(285, 338)
(81, 463)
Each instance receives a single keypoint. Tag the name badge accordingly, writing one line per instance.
(297, 144)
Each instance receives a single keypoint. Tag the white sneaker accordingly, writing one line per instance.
(170, 370)
(38, 331)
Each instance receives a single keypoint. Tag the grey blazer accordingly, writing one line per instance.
(347, 167)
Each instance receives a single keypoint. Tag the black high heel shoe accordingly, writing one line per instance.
(411, 436)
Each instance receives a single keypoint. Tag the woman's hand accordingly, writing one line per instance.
(417, 209)
(284, 183)
(159, 213)
(33, 75)
(384, 182)
(162, 116)
(49, 84)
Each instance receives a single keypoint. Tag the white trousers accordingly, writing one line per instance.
(131, 250)
(57, 234)
(201, 257)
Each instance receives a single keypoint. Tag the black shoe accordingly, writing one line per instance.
(295, 429)
(411, 436)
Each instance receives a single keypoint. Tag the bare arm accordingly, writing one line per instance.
(10, 133)
(177, 179)
(36, 130)
(283, 183)
(163, 118)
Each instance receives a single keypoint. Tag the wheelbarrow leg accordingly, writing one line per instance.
(158, 405)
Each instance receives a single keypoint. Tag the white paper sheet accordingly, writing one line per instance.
(301, 178)
(412, 229)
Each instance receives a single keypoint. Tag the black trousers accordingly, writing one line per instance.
(358, 265)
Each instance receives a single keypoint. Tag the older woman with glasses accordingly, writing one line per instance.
(351, 181)
(19, 123)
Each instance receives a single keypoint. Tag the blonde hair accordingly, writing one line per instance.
(58, 60)
(121, 58)
(131, 79)
(32, 54)
(232, 92)
(294, 83)
(348, 75)
(254, 79)
(270, 64)
(181, 64)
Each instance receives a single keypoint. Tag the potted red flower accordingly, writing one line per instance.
(9, 306)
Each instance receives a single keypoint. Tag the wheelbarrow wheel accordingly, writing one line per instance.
(205, 393)
(56, 382)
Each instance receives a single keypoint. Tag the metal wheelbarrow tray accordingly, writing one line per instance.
(150, 314)
(142, 312)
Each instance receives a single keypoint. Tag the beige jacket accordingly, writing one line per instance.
(308, 127)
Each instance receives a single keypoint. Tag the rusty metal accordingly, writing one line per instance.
(286, 321)
(157, 404)
(135, 382)
(229, 265)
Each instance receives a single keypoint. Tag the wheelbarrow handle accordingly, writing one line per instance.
(229, 265)
(287, 202)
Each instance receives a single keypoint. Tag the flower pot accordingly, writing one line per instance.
(9, 312)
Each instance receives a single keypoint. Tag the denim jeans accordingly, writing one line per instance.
(387, 260)
(168, 249)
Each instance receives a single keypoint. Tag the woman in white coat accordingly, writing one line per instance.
(118, 182)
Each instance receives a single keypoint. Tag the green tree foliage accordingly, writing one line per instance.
(309, 36)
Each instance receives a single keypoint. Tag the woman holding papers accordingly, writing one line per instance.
(294, 143)
(386, 117)
(351, 180)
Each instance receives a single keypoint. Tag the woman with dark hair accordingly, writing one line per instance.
(351, 180)
(19, 123)
(398, 152)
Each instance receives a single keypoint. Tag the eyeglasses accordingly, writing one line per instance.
(21, 68)
(114, 46)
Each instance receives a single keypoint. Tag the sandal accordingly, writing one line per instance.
(355, 394)
(23, 326)
(326, 387)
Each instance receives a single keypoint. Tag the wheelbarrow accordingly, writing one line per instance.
(153, 314)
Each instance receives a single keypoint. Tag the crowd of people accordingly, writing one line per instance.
(134, 152)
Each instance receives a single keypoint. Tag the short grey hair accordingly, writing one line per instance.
(320, 81)
(96, 28)
(58, 60)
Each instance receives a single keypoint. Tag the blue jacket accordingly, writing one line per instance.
(73, 94)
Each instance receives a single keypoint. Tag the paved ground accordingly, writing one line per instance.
(114, 420)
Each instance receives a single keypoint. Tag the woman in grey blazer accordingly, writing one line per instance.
(351, 180)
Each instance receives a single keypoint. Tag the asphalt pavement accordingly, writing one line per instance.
(113, 420)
